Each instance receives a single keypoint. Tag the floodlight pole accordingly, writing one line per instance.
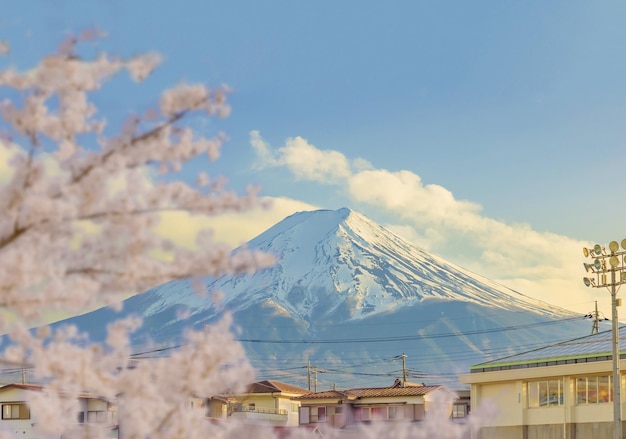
(617, 384)
(617, 262)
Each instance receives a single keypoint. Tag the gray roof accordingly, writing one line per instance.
(595, 347)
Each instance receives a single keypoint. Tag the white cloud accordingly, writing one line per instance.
(404, 192)
(233, 229)
(543, 265)
(303, 159)
(263, 151)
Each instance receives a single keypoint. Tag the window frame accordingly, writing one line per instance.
(545, 393)
(315, 416)
(23, 412)
(459, 411)
(595, 386)
(399, 412)
(99, 415)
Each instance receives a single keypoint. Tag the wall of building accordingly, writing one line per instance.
(506, 392)
(505, 400)
(291, 407)
(511, 432)
(20, 427)
(274, 409)
(260, 401)
(217, 409)
(593, 430)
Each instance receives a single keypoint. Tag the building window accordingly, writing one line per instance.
(378, 413)
(459, 411)
(93, 416)
(395, 412)
(96, 416)
(594, 390)
(15, 411)
(365, 414)
(546, 393)
(318, 414)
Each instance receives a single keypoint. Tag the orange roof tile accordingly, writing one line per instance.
(372, 392)
(329, 394)
(394, 391)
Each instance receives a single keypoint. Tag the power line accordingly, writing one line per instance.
(406, 337)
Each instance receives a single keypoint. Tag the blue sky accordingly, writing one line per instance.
(491, 133)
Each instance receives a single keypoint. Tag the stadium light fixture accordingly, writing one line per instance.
(611, 276)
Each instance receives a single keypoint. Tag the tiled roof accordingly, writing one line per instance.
(393, 391)
(21, 386)
(269, 386)
(372, 392)
(596, 347)
(329, 394)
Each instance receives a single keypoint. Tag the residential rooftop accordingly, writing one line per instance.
(270, 386)
(591, 348)
(371, 392)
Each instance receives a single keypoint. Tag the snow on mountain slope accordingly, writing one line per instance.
(342, 265)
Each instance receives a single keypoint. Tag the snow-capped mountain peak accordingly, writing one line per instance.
(343, 266)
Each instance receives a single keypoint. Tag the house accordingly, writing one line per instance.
(217, 406)
(18, 419)
(16, 416)
(342, 408)
(96, 411)
(265, 402)
(563, 390)
(461, 406)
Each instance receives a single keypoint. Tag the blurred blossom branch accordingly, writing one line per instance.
(79, 207)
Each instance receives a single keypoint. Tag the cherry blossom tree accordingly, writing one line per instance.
(78, 208)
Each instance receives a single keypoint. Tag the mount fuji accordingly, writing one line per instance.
(349, 297)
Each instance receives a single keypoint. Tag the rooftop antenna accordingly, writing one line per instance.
(596, 326)
(595, 315)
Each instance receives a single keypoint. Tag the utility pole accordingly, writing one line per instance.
(308, 373)
(596, 325)
(403, 369)
(315, 381)
(23, 376)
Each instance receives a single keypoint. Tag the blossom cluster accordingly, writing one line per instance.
(79, 206)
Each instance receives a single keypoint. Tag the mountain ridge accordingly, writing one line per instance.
(338, 272)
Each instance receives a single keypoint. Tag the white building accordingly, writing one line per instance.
(560, 391)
